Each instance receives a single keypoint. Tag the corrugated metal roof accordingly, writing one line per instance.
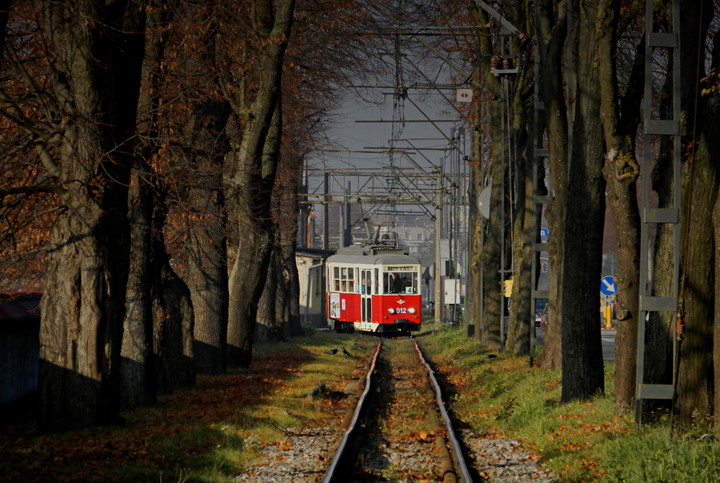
(19, 306)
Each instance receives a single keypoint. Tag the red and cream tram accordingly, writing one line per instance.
(373, 288)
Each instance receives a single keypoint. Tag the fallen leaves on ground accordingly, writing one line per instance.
(180, 431)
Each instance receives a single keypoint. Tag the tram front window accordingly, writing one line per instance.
(401, 282)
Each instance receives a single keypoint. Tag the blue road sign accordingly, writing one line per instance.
(607, 285)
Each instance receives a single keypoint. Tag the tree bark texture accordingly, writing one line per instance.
(95, 53)
(621, 172)
(551, 28)
(695, 379)
(524, 228)
(251, 181)
(206, 253)
(490, 309)
(173, 327)
(270, 324)
(490, 333)
(478, 175)
(286, 214)
(139, 370)
(582, 365)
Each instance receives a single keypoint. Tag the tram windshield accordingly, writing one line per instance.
(401, 280)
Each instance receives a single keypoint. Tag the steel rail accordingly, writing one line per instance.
(457, 449)
(337, 463)
(351, 431)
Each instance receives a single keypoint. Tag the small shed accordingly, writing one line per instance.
(19, 345)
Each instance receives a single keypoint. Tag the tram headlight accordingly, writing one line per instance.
(411, 310)
(391, 311)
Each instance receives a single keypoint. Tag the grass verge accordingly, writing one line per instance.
(591, 440)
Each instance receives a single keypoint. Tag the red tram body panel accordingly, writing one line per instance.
(373, 288)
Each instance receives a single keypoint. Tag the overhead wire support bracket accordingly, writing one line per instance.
(505, 23)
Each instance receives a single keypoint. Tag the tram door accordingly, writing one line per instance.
(366, 292)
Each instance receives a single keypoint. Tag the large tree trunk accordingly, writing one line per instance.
(138, 369)
(525, 230)
(487, 307)
(270, 326)
(251, 181)
(201, 149)
(694, 402)
(551, 28)
(96, 53)
(710, 147)
(582, 364)
(695, 378)
(207, 241)
(621, 172)
(694, 381)
(524, 224)
(493, 311)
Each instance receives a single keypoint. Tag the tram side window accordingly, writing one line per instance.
(335, 281)
(411, 283)
(343, 279)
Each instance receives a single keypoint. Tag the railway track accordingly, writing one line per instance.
(399, 430)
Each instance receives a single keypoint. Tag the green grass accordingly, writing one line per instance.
(580, 441)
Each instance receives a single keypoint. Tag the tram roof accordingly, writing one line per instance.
(372, 254)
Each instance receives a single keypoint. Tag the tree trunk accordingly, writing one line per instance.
(251, 181)
(493, 310)
(710, 114)
(173, 331)
(289, 291)
(524, 225)
(206, 253)
(270, 323)
(694, 402)
(582, 365)
(695, 378)
(476, 224)
(487, 306)
(96, 55)
(138, 369)
(551, 28)
(287, 184)
(621, 172)
(694, 383)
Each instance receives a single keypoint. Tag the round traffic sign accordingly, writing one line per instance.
(607, 285)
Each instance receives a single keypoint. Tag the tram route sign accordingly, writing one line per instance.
(607, 286)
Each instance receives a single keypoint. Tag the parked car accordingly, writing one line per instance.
(541, 317)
